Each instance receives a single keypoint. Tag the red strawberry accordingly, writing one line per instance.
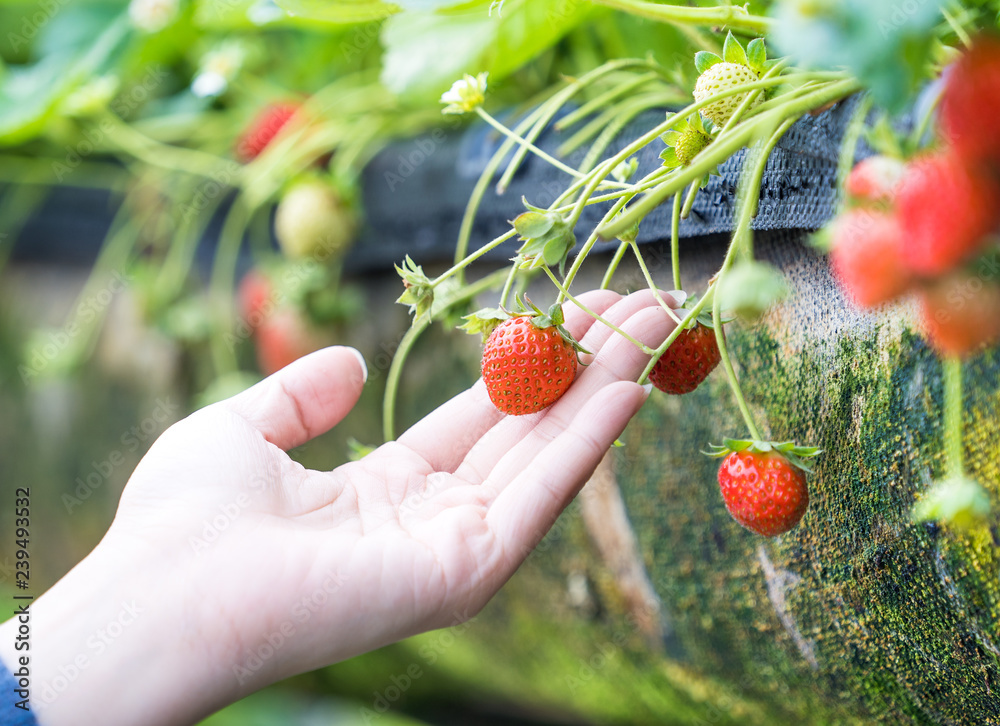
(528, 362)
(281, 333)
(764, 484)
(970, 105)
(262, 130)
(874, 179)
(945, 210)
(867, 256)
(687, 362)
(256, 297)
(961, 313)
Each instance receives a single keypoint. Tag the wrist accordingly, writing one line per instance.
(109, 645)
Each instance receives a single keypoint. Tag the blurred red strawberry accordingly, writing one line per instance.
(286, 336)
(281, 333)
(262, 130)
(256, 297)
(961, 313)
(970, 106)
(946, 210)
(875, 179)
(867, 256)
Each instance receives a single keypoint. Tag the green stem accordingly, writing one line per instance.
(526, 144)
(546, 111)
(654, 288)
(482, 184)
(689, 199)
(675, 241)
(750, 193)
(736, 18)
(164, 156)
(607, 165)
(603, 99)
(722, 148)
(222, 281)
(465, 262)
(395, 373)
(848, 149)
(613, 265)
(953, 416)
(596, 316)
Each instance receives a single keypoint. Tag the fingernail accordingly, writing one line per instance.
(679, 295)
(361, 361)
(648, 388)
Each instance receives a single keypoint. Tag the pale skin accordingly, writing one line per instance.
(229, 566)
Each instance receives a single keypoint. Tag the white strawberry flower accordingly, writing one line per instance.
(152, 16)
(465, 95)
(218, 68)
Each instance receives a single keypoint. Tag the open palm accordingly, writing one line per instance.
(291, 569)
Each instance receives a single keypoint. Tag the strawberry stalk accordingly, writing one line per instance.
(749, 195)
(730, 16)
(953, 396)
(565, 294)
(675, 241)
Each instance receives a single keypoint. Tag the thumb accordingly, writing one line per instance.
(304, 399)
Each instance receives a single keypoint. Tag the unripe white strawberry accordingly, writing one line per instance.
(721, 77)
(313, 221)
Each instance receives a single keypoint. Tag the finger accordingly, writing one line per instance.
(618, 360)
(305, 398)
(445, 436)
(525, 510)
(510, 431)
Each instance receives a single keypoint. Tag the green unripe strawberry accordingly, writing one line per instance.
(689, 144)
(721, 77)
(313, 221)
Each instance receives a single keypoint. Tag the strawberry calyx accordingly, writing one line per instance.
(554, 318)
(704, 316)
(418, 293)
(798, 456)
(548, 238)
(485, 320)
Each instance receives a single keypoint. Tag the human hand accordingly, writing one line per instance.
(242, 567)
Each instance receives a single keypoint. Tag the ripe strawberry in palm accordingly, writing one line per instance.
(529, 362)
(688, 361)
(946, 210)
(867, 256)
(970, 105)
(960, 313)
(763, 484)
(262, 130)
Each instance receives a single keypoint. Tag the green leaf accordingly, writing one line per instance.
(338, 12)
(30, 95)
(426, 51)
(756, 55)
(732, 51)
(703, 60)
